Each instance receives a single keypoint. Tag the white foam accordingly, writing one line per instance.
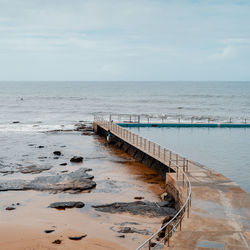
(19, 127)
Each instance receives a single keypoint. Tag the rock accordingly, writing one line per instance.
(64, 164)
(57, 153)
(88, 129)
(40, 146)
(17, 203)
(56, 158)
(127, 230)
(77, 181)
(121, 236)
(31, 144)
(77, 237)
(64, 171)
(162, 233)
(15, 122)
(163, 204)
(88, 133)
(80, 126)
(151, 209)
(34, 169)
(68, 204)
(57, 242)
(138, 198)
(10, 208)
(153, 244)
(48, 231)
(76, 159)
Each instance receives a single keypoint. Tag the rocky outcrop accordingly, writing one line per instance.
(67, 204)
(151, 209)
(78, 181)
(34, 169)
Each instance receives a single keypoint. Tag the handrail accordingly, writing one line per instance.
(160, 118)
(168, 158)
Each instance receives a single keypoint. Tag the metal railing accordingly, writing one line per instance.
(134, 118)
(169, 158)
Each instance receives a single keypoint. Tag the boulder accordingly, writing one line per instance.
(77, 237)
(67, 204)
(76, 159)
(57, 153)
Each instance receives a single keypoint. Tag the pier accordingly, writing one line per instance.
(213, 211)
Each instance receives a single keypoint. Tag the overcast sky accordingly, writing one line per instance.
(124, 40)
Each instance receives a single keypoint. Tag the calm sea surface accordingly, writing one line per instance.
(40, 106)
(225, 150)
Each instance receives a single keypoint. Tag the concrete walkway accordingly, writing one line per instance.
(220, 214)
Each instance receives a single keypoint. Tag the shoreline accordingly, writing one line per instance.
(119, 179)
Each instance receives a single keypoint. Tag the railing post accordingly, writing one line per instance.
(159, 151)
(149, 244)
(145, 143)
(149, 146)
(154, 149)
(187, 166)
(136, 140)
(170, 157)
(180, 223)
(164, 152)
(168, 235)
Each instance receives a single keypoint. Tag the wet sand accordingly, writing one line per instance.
(118, 177)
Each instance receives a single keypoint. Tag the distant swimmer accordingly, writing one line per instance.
(21, 99)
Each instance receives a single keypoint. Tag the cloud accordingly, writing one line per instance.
(234, 47)
(120, 39)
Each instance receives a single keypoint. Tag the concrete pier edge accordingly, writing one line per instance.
(220, 215)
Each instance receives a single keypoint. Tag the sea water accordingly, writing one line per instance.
(225, 150)
(41, 106)
(63, 103)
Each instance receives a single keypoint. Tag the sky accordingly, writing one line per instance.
(122, 40)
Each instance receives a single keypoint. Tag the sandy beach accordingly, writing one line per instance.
(117, 176)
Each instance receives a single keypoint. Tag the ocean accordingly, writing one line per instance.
(43, 105)
(30, 107)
